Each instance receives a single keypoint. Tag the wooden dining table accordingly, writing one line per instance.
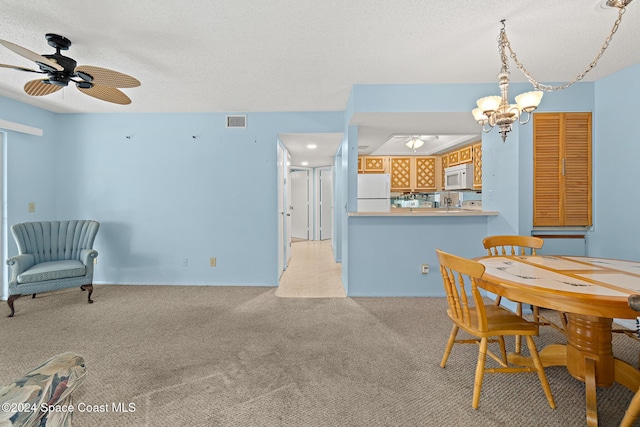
(591, 292)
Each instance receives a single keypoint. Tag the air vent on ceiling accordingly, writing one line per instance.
(362, 147)
(236, 121)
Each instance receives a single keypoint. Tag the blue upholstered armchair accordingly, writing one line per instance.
(53, 255)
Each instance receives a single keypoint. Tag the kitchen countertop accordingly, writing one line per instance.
(427, 212)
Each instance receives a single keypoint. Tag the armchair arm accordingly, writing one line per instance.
(19, 264)
(87, 256)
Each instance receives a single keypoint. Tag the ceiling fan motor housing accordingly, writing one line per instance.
(59, 78)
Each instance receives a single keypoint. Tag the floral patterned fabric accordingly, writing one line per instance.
(32, 400)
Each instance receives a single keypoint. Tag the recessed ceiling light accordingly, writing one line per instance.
(312, 146)
(304, 163)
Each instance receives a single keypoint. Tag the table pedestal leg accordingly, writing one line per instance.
(590, 357)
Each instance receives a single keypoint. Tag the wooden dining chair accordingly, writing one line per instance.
(508, 245)
(486, 323)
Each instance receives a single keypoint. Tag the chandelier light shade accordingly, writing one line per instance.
(529, 101)
(495, 110)
(415, 143)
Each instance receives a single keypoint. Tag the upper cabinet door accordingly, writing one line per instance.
(425, 173)
(401, 173)
(477, 166)
(465, 154)
(375, 164)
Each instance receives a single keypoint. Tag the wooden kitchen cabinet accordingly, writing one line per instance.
(477, 165)
(375, 164)
(465, 154)
(425, 174)
(444, 163)
(460, 156)
(562, 169)
(469, 154)
(453, 158)
(407, 173)
(401, 171)
(413, 173)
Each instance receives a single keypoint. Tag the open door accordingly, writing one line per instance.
(326, 204)
(300, 205)
(284, 211)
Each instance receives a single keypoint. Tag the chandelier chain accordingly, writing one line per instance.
(504, 43)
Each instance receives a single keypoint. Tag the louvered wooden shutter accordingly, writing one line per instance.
(546, 172)
(577, 169)
(562, 169)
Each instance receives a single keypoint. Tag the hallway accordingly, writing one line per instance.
(312, 272)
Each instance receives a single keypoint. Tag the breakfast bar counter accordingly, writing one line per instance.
(437, 212)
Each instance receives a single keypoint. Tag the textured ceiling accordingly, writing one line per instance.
(303, 55)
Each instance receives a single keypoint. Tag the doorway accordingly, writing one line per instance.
(325, 204)
(284, 211)
(4, 285)
(300, 205)
(311, 203)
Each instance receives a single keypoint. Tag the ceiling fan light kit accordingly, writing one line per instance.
(495, 111)
(416, 141)
(97, 82)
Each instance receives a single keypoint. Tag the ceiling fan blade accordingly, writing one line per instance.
(15, 67)
(109, 94)
(107, 77)
(40, 88)
(31, 55)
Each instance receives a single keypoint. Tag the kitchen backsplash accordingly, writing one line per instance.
(434, 200)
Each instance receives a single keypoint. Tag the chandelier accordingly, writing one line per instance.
(495, 111)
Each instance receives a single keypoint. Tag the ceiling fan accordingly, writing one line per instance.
(100, 83)
(415, 141)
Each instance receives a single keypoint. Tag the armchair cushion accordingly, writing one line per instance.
(52, 270)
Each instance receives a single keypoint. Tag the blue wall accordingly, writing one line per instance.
(616, 155)
(161, 195)
(386, 253)
(30, 170)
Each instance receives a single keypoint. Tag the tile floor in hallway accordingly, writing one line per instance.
(312, 272)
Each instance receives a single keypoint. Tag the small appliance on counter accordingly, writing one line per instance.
(472, 205)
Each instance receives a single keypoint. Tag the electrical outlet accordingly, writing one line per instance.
(185, 262)
(212, 262)
(32, 206)
(425, 268)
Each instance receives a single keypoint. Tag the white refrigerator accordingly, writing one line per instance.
(374, 192)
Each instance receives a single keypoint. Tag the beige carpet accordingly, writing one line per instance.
(312, 272)
(240, 356)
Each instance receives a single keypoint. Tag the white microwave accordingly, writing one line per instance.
(459, 177)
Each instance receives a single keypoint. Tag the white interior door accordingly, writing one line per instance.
(300, 204)
(4, 285)
(281, 209)
(326, 203)
(287, 208)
